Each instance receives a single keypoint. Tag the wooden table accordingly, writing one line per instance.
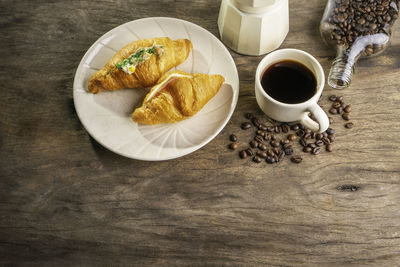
(66, 200)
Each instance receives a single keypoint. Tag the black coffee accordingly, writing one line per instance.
(289, 82)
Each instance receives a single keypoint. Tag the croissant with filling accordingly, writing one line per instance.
(177, 96)
(140, 64)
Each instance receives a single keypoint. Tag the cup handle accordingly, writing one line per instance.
(322, 119)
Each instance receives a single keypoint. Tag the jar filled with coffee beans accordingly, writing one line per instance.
(356, 28)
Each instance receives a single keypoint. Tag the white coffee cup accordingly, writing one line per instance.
(293, 112)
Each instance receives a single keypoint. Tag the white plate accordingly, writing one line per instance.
(107, 115)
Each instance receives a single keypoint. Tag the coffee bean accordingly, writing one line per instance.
(277, 129)
(276, 158)
(256, 159)
(267, 137)
(285, 141)
(340, 99)
(262, 146)
(276, 150)
(347, 109)
(336, 104)
(233, 138)
(329, 147)
(307, 149)
(301, 126)
(270, 129)
(296, 159)
(326, 140)
(260, 132)
(330, 120)
(312, 145)
(259, 138)
(262, 127)
(245, 125)
(349, 125)
(233, 146)
(255, 121)
(330, 131)
(319, 143)
(291, 137)
(261, 154)
(332, 98)
(333, 111)
(294, 127)
(288, 151)
(274, 143)
(249, 152)
(346, 116)
(285, 128)
(307, 136)
(300, 132)
(331, 138)
(316, 150)
(270, 153)
(249, 116)
(273, 137)
(270, 160)
(253, 143)
(319, 136)
(303, 142)
(243, 154)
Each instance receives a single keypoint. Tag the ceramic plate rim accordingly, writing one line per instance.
(235, 96)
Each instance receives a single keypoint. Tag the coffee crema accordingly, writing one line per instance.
(289, 81)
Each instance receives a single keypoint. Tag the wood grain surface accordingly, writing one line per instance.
(66, 200)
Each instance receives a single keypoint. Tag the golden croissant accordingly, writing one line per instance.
(140, 64)
(177, 96)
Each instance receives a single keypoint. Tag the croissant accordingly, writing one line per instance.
(140, 64)
(177, 96)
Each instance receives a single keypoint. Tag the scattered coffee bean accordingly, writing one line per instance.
(243, 154)
(307, 149)
(260, 132)
(274, 143)
(346, 116)
(312, 145)
(259, 139)
(256, 159)
(329, 147)
(333, 111)
(273, 137)
(316, 150)
(276, 150)
(233, 145)
(294, 127)
(270, 153)
(319, 136)
(233, 138)
(262, 127)
(285, 128)
(326, 140)
(285, 141)
(296, 159)
(336, 104)
(253, 143)
(349, 125)
(270, 160)
(339, 110)
(300, 132)
(333, 98)
(281, 155)
(288, 151)
(245, 125)
(267, 137)
(330, 120)
(340, 99)
(291, 137)
(261, 154)
(331, 138)
(303, 142)
(330, 131)
(301, 126)
(255, 121)
(249, 152)
(262, 146)
(319, 143)
(347, 109)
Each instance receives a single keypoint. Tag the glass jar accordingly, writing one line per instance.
(356, 28)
